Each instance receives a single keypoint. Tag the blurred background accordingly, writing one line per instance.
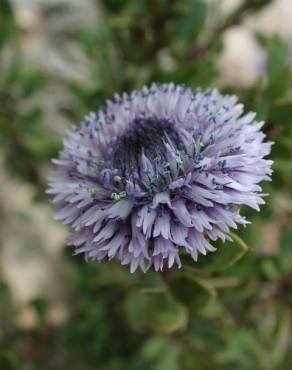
(60, 59)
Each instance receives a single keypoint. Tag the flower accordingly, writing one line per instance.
(158, 172)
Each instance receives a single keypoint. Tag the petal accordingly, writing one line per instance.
(181, 212)
(161, 198)
(162, 225)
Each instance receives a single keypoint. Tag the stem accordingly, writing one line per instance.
(223, 281)
(157, 25)
(234, 18)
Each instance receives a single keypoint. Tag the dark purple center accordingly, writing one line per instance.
(148, 135)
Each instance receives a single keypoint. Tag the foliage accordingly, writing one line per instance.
(230, 310)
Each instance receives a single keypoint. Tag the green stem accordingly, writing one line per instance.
(244, 9)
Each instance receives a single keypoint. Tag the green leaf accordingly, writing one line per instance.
(7, 24)
(41, 307)
(163, 352)
(115, 5)
(277, 53)
(244, 348)
(279, 87)
(283, 168)
(32, 82)
(6, 9)
(281, 112)
(193, 19)
(157, 312)
(200, 74)
(7, 361)
(225, 256)
(282, 338)
(270, 269)
(285, 251)
(191, 359)
(193, 292)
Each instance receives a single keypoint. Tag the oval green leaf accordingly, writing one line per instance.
(157, 312)
(193, 292)
(226, 255)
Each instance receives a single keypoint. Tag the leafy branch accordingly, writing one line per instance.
(246, 8)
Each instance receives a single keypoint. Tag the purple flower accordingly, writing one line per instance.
(159, 172)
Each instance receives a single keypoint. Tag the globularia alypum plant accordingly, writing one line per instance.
(158, 172)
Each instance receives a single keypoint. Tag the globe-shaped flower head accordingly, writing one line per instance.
(157, 173)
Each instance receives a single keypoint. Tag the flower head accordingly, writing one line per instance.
(158, 172)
